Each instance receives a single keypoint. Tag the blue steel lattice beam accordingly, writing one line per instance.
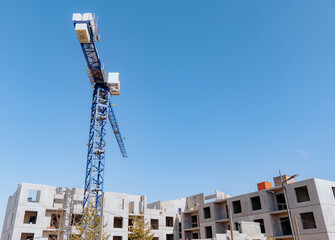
(116, 130)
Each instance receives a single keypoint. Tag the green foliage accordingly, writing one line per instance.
(88, 227)
(140, 229)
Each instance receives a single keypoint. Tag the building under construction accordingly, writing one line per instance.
(305, 212)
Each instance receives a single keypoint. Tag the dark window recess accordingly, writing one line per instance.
(207, 212)
(179, 210)
(194, 220)
(117, 237)
(237, 226)
(209, 233)
(169, 222)
(155, 238)
(130, 222)
(195, 236)
(237, 206)
(76, 219)
(179, 230)
(154, 224)
(118, 222)
(27, 236)
(169, 236)
(30, 217)
(52, 237)
(285, 226)
(307, 220)
(55, 220)
(333, 188)
(261, 224)
(302, 194)
(281, 204)
(256, 203)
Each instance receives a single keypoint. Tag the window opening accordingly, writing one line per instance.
(154, 224)
(30, 217)
(308, 221)
(261, 224)
(237, 206)
(34, 196)
(118, 222)
(209, 233)
(169, 221)
(207, 212)
(302, 194)
(256, 203)
(194, 220)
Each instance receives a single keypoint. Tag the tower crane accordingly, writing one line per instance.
(103, 88)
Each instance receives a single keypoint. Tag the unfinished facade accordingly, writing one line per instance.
(44, 212)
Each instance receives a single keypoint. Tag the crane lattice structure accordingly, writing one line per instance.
(103, 87)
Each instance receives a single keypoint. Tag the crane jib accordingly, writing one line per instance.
(92, 57)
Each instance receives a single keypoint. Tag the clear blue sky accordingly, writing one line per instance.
(215, 94)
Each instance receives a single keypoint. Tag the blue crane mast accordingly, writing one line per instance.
(103, 87)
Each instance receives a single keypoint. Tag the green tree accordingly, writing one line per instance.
(88, 228)
(140, 229)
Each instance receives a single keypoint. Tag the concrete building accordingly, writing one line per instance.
(41, 212)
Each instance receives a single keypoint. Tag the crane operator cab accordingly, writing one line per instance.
(113, 83)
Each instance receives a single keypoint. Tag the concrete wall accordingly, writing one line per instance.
(51, 199)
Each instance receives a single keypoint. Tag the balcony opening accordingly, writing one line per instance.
(30, 217)
(302, 194)
(195, 235)
(261, 224)
(308, 221)
(118, 222)
(256, 203)
(117, 237)
(27, 236)
(285, 226)
(169, 221)
(154, 224)
(281, 204)
(207, 212)
(34, 196)
(194, 221)
(237, 206)
(55, 220)
(209, 233)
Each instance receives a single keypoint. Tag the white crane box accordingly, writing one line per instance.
(114, 83)
(82, 33)
(76, 17)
